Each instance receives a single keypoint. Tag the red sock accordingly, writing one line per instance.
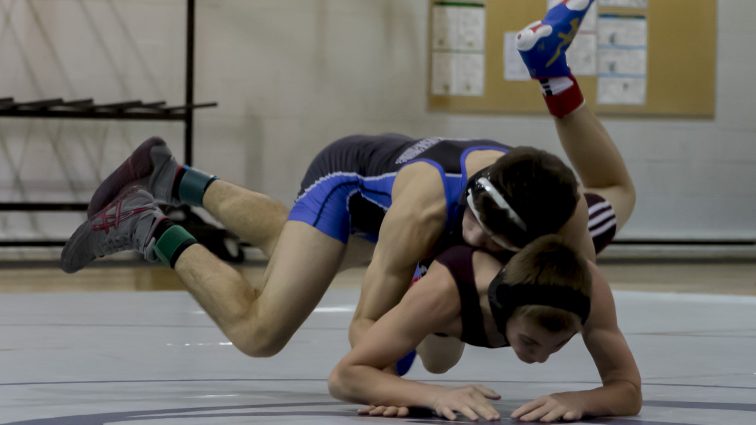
(562, 95)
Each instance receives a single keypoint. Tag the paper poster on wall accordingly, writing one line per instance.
(621, 91)
(441, 73)
(622, 59)
(622, 31)
(635, 4)
(458, 45)
(458, 28)
(457, 74)
(582, 57)
(514, 67)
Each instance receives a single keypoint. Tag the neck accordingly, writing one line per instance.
(478, 160)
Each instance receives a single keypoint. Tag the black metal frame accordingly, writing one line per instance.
(127, 110)
(87, 109)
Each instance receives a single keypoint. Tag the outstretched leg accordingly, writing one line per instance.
(258, 317)
(597, 161)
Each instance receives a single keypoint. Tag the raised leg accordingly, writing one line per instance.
(597, 161)
(543, 46)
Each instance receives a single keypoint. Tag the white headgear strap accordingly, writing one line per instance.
(500, 201)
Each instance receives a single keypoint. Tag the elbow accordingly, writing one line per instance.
(634, 400)
(637, 400)
(338, 383)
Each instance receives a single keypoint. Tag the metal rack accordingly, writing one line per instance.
(88, 109)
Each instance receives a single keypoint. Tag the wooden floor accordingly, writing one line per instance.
(716, 278)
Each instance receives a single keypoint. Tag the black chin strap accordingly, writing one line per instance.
(504, 298)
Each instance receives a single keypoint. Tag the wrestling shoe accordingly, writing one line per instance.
(127, 223)
(151, 165)
(543, 44)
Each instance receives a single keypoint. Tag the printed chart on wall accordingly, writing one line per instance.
(622, 55)
(458, 54)
(627, 56)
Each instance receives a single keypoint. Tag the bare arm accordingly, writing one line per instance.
(430, 306)
(620, 393)
(575, 231)
(410, 228)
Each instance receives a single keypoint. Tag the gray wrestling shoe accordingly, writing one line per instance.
(151, 165)
(127, 223)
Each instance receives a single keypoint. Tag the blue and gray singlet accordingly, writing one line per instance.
(347, 188)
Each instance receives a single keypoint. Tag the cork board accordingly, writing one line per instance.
(680, 71)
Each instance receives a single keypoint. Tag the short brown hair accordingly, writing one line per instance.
(549, 261)
(540, 188)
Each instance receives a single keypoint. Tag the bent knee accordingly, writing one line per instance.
(436, 367)
(258, 342)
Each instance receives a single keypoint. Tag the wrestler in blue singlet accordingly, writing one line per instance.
(347, 188)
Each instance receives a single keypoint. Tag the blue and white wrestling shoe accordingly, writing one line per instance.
(543, 44)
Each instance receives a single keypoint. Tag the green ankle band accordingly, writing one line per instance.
(172, 243)
(193, 185)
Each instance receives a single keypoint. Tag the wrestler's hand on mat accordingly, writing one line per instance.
(550, 408)
(387, 411)
(470, 400)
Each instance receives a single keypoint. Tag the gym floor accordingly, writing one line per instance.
(116, 344)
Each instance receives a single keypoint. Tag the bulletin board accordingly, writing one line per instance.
(680, 60)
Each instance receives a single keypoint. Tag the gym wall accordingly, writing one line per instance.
(290, 76)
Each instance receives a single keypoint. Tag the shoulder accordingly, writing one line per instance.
(436, 292)
(419, 178)
(480, 159)
(419, 192)
(575, 230)
(603, 312)
(599, 285)
(486, 267)
(479, 259)
(482, 265)
(455, 254)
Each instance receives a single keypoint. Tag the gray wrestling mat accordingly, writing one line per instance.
(154, 358)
